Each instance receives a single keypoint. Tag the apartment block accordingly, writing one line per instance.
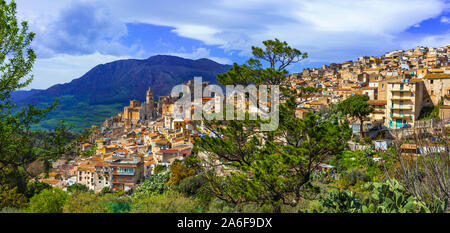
(404, 102)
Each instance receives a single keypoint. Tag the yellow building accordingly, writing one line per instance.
(404, 102)
(437, 86)
(379, 113)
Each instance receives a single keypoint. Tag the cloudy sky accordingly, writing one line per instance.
(75, 35)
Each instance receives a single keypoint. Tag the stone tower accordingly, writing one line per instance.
(149, 96)
(147, 111)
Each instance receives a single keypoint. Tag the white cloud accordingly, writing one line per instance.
(429, 41)
(445, 19)
(199, 53)
(321, 27)
(329, 30)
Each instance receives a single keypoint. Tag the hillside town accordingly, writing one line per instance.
(128, 147)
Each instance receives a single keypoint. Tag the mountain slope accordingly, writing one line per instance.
(20, 95)
(106, 89)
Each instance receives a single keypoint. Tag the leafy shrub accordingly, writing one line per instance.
(354, 176)
(392, 197)
(168, 202)
(116, 203)
(386, 197)
(155, 184)
(77, 188)
(35, 188)
(192, 185)
(178, 172)
(368, 140)
(83, 202)
(48, 201)
(159, 169)
(10, 197)
(104, 191)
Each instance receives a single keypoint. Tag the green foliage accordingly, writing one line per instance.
(341, 202)
(168, 202)
(77, 188)
(34, 188)
(392, 197)
(178, 172)
(355, 176)
(48, 201)
(159, 168)
(155, 184)
(429, 112)
(277, 54)
(356, 106)
(191, 185)
(368, 141)
(84, 202)
(105, 191)
(90, 152)
(20, 144)
(11, 198)
(267, 171)
(384, 197)
(116, 203)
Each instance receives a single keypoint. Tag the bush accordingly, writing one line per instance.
(385, 197)
(77, 188)
(168, 202)
(178, 172)
(84, 202)
(368, 140)
(104, 191)
(35, 188)
(48, 201)
(159, 169)
(354, 176)
(116, 203)
(192, 185)
(155, 184)
(10, 197)
(220, 206)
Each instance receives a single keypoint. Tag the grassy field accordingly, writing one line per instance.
(80, 115)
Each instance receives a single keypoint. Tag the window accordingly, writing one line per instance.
(431, 81)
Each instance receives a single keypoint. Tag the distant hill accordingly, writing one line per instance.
(20, 95)
(106, 89)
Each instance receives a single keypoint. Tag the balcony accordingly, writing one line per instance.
(117, 173)
(402, 116)
(400, 90)
(378, 111)
(402, 107)
(405, 97)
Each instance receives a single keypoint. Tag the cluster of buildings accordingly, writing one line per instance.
(126, 148)
(399, 84)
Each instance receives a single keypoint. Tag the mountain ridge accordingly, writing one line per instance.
(112, 85)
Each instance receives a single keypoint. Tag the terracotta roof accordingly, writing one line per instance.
(437, 76)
